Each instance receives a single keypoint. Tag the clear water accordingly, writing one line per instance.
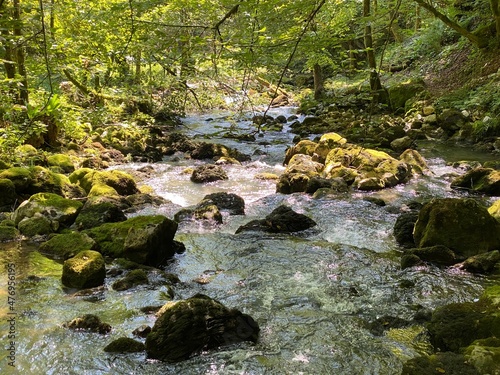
(312, 294)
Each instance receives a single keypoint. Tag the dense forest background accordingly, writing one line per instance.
(70, 67)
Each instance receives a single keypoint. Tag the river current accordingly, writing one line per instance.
(314, 295)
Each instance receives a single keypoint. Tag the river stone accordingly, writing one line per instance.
(124, 345)
(131, 279)
(97, 211)
(205, 150)
(85, 270)
(205, 210)
(482, 180)
(482, 263)
(51, 206)
(198, 323)
(462, 225)
(305, 147)
(401, 144)
(282, 220)
(403, 229)
(66, 245)
(327, 142)
(438, 254)
(90, 323)
(8, 196)
(229, 202)
(104, 182)
(297, 174)
(141, 239)
(439, 363)
(415, 160)
(208, 173)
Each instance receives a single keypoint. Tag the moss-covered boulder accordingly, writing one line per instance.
(8, 233)
(205, 210)
(400, 93)
(97, 211)
(299, 171)
(131, 279)
(415, 160)
(403, 229)
(326, 143)
(462, 225)
(87, 269)
(141, 239)
(59, 211)
(482, 263)
(124, 345)
(484, 355)
(305, 147)
(198, 323)
(208, 173)
(228, 202)
(61, 161)
(494, 210)
(8, 196)
(88, 323)
(20, 177)
(44, 180)
(482, 180)
(112, 182)
(281, 220)
(439, 363)
(438, 254)
(64, 246)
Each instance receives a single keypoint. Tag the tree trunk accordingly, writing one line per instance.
(137, 77)
(495, 9)
(418, 18)
(395, 29)
(21, 67)
(368, 37)
(474, 39)
(353, 61)
(319, 88)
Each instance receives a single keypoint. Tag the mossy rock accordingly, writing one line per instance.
(458, 325)
(8, 196)
(21, 177)
(96, 212)
(484, 355)
(494, 210)
(439, 364)
(133, 278)
(124, 345)
(481, 180)
(141, 239)
(399, 94)
(305, 147)
(37, 225)
(62, 161)
(8, 233)
(46, 181)
(187, 327)
(415, 160)
(205, 210)
(64, 246)
(462, 225)
(102, 190)
(208, 173)
(403, 229)
(51, 206)
(87, 269)
(482, 263)
(89, 323)
(121, 183)
(438, 254)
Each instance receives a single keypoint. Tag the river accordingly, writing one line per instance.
(312, 294)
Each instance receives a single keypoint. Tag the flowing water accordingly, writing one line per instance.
(312, 294)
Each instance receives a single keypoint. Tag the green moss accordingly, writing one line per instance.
(132, 279)
(484, 355)
(494, 210)
(61, 160)
(37, 225)
(8, 233)
(124, 345)
(84, 270)
(438, 364)
(67, 245)
(21, 177)
(8, 196)
(42, 266)
(100, 189)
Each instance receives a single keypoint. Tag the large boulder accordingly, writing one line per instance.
(462, 225)
(97, 211)
(228, 202)
(208, 173)
(305, 147)
(299, 171)
(87, 269)
(97, 183)
(64, 246)
(328, 142)
(20, 177)
(198, 323)
(282, 220)
(481, 180)
(142, 239)
(54, 209)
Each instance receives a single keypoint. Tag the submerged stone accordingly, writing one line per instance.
(89, 323)
(124, 345)
(132, 279)
(198, 323)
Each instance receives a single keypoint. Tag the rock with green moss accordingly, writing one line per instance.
(494, 210)
(439, 363)
(61, 212)
(482, 263)
(37, 225)
(46, 181)
(88, 323)
(462, 225)
(205, 210)
(87, 269)
(301, 168)
(112, 182)
(62, 161)
(21, 177)
(124, 345)
(131, 279)
(305, 147)
(326, 143)
(8, 196)
(198, 323)
(399, 94)
(482, 180)
(484, 355)
(97, 211)
(8, 233)
(141, 239)
(64, 246)
(415, 160)
(438, 254)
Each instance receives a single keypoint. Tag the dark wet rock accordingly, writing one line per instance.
(64, 246)
(141, 239)
(376, 201)
(228, 202)
(142, 331)
(205, 210)
(9, 233)
(384, 323)
(87, 269)
(482, 263)
(438, 254)
(131, 279)
(410, 260)
(198, 323)
(204, 150)
(389, 135)
(451, 120)
(124, 345)
(482, 180)
(90, 323)
(401, 144)
(403, 229)
(97, 211)
(462, 225)
(439, 363)
(282, 220)
(8, 196)
(208, 173)
(53, 209)
(333, 184)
